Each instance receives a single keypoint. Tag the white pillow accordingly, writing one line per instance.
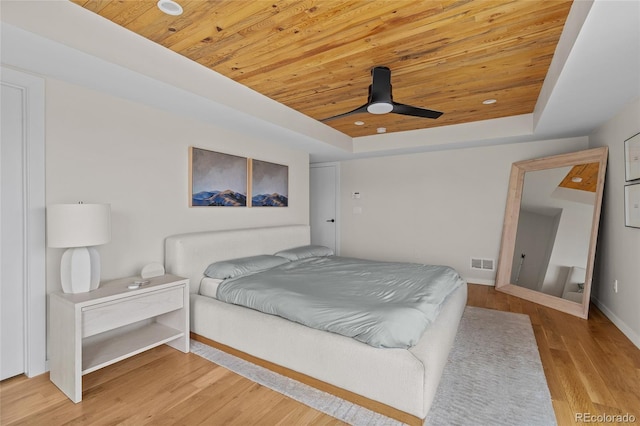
(241, 266)
(209, 287)
(304, 252)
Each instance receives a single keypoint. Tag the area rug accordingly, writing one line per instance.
(493, 376)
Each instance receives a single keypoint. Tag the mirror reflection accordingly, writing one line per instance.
(554, 230)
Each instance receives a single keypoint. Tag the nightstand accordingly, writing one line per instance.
(92, 330)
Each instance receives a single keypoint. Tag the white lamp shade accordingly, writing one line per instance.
(78, 225)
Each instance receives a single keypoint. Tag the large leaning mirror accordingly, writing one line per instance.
(550, 230)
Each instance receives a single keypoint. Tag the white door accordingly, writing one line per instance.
(12, 332)
(22, 226)
(323, 205)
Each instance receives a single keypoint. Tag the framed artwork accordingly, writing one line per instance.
(269, 184)
(632, 158)
(632, 205)
(217, 179)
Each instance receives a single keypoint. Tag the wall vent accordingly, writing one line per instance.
(483, 264)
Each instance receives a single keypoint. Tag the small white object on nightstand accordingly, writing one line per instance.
(152, 270)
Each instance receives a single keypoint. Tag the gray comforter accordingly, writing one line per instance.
(382, 304)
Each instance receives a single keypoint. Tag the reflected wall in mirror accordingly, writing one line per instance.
(550, 229)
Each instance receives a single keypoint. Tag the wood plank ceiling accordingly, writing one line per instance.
(315, 56)
(586, 176)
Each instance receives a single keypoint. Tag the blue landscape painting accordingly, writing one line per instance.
(218, 179)
(270, 184)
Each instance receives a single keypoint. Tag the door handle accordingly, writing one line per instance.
(331, 220)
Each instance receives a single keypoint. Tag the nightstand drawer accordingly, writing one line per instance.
(107, 316)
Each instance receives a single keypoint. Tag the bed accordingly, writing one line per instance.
(396, 382)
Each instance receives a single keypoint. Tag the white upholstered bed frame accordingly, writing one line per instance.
(399, 383)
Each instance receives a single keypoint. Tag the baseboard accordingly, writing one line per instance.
(622, 326)
(481, 281)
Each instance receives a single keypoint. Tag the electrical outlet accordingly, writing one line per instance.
(615, 286)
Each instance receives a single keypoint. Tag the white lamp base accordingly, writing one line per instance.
(80, 270)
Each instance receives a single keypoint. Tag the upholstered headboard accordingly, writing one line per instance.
(188, 255)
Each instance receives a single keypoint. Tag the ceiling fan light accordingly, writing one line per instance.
(380, 108)
(170, 7)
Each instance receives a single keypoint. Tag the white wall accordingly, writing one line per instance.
(571, 246)
(104, 149)
(618, 252)
(440, 207)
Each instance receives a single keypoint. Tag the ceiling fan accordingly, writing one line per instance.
(381, 101)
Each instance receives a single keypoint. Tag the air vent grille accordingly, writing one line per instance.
(483, 264)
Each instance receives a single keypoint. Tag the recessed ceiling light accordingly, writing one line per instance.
(576, 179)
(381, 130)
(489, 101)
(359, 123)
(170, 7)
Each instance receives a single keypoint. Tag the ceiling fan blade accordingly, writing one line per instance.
(358, 110)
(414, 111)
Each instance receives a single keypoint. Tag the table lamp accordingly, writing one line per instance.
(79, 227)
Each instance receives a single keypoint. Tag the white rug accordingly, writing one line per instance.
(493, 376)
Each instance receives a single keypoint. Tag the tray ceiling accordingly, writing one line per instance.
(316, 56)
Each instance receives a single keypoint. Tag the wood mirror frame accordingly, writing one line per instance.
(510, 227)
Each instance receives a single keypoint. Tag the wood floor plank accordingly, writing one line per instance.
(258, 404)
(498, 301)
(477, 295)
(555, 387)
(206, 395)
(123, 368)
(531, 309)
(590, 367)
(515, 304)
(20, 395)
(153, 409)
(593, 382)
(575, 392)
(551, 331)
(208, 403)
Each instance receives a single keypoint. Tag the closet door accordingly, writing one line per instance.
(12, 274)
(22, 225)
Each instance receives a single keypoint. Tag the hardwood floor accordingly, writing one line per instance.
(591, 367)
(160, 386)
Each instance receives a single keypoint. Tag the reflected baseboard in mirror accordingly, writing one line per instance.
(550, 229)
